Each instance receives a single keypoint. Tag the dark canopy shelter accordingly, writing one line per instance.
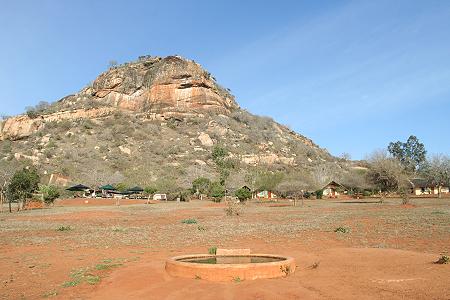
(78, 188)
(107, 187)
(135, 190)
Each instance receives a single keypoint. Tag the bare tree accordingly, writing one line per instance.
(346, 156)
(386, 173)
(356, 180)
(293, 188)
(6, 173)
(437, 171)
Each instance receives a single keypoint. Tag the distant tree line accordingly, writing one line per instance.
(390, 171)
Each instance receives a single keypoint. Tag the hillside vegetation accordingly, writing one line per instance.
(156, 122)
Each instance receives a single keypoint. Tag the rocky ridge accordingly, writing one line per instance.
(157, 112)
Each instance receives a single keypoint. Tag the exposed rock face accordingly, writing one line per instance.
(22, 126)
(59, 180)
(154, 84)
(266, 159)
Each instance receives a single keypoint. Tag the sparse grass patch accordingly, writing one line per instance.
(212, 250)
(438, 212)
(237, 279)
(201, 228)
(118, 229)
(92, 279)
(107, 266)
(341, 229)
(189, 221)
(86, 275)
(50, 294)
(64, 228)
(74, 282)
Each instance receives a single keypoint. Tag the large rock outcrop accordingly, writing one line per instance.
(160, 87)
(153, 84)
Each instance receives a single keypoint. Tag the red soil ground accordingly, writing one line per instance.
(37, 260)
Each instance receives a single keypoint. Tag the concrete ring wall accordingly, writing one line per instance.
(229, 272)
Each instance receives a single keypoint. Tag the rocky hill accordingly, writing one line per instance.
(155, 122)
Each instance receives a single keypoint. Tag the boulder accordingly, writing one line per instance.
(205, 139)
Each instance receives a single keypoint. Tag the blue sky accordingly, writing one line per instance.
(351, 75)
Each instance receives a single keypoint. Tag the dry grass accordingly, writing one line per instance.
(161, 225)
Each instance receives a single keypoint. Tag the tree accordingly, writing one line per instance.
(319, 194)
(216, 190)
(31, 112)
(346, 156)
(22, 185)
(356, 180)
(385, 173)
(412, 154)
(223, 163)
(49, 193)
(121, 187)
(5, 176)
(35, 111)
(2, 193)
(201, 186)
(437, 171)
(243, 194)
(149, 191)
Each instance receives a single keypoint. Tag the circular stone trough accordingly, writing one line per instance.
(230, 267)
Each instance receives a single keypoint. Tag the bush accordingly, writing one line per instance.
(341, 229)
(184, 195)
(242, 116)
(233, 209)
(64, 228)
(7, 147)
(404, 194)
(201, 185)
(319, 194)
(243, 194)
(307, 195)
(367, 194)
(49, 193)
(443, 260)
(32, 114)
(212, 250)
